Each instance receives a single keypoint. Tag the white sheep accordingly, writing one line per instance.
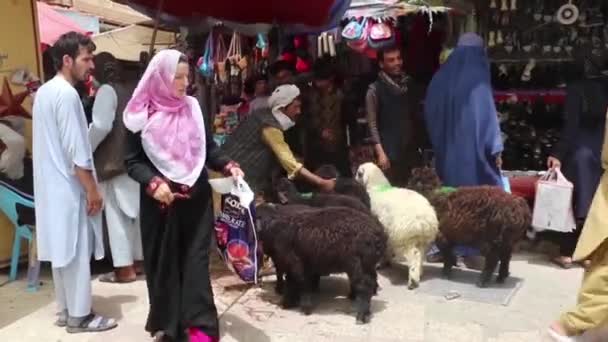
(408, 218)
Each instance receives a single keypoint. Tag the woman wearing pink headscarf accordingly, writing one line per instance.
(169, 148)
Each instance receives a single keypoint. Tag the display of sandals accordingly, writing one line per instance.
(550, 30)
(531, 129)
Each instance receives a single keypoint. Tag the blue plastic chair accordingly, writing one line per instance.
(9, 198)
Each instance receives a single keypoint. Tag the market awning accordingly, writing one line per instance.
(307, 12)
(128, 42)
(53, 24)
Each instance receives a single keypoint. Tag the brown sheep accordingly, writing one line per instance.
(483, 216)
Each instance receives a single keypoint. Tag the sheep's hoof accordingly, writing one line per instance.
(412, 285)
(306, 309)
(306, 305)
(363, 318)
(289, 304)
(482, 283)
(501, 279)
(447, 273)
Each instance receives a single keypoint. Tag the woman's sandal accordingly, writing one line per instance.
(91, 323)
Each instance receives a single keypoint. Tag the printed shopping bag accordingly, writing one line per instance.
(235, 228)
(553, 203)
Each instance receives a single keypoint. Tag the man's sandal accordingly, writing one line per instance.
(91, 323)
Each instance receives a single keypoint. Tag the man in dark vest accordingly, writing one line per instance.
(259, 145)
(390, 117)
(107, 134)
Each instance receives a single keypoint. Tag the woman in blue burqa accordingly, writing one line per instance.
(461, 118)
(462, 121)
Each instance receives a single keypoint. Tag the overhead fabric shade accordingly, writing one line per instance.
(53, 24)
(307, 12)
(128, 42)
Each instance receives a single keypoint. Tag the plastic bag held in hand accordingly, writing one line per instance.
(553, 203)
(235, 231)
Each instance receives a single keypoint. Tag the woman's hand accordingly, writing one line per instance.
(163, 194)
(237, 173)
(554, 163)
(499, 161)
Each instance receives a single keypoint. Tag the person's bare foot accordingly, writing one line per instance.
(120, 275)
(563, 261)
(559, 334)
(558, 328)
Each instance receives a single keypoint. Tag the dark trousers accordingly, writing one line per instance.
(176, 260)
(402, 166)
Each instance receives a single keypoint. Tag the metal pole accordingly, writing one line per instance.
(156, 20)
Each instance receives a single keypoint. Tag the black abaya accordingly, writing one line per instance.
(176, 249)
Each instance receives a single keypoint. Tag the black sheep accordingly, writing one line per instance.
(323, 241)
(287, 193)
(344, 186)
(282, 211)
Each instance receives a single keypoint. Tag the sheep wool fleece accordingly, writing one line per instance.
(410, 223)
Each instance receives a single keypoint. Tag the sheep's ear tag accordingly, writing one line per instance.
(383, 188)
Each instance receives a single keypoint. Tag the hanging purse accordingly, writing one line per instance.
(380, 35)
(354, 30)
(219, 59)
(235, 54)
(205, 64)
(360, 44)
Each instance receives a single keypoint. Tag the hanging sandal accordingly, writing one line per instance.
(91, 323)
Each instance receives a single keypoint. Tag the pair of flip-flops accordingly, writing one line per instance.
(90, 323)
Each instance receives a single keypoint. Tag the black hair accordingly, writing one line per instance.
(279, 66)
(182, 59)
(324, 69)
(70, 44)
(106, 68)
(384, 51)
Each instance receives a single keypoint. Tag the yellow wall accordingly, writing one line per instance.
(18, 48)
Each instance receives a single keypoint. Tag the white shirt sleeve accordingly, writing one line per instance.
(72, 128)
(104, 113)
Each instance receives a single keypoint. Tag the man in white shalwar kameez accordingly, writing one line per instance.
(67, 198)
(107, 134)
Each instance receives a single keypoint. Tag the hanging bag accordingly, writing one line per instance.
(205, 64)
(219, 59)
(380, 35)
(235, 53)
(354, 30)
(360, 44)
(553, 203)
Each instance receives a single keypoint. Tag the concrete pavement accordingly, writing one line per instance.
(252, 314)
